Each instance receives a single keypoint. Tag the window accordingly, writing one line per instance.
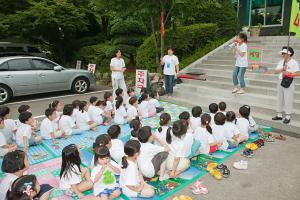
(14, 49)
(33, 50)
(19, 65)
(273, 12)
(4, 67)
(43, 64)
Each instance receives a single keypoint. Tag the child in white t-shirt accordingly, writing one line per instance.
(143, 107)
(132, 112)
(243, 123)
(135, 126)
(48, 130)
(58, 109)
(164, 122)
(35, 123)
(131, 179)
(10, 128)
(74, 178)
(154, 104)
(101, 140)
(120, 112)
(4, 147)
(25, 137)
(66, 122)
(108, 104)
(219, 131)
(131, 93)
(203, 134)
(103, 175)
(232, 133)
(177, 161)
(222, 107)
(83, 119)
(153, 158)
(213, 109)
(96, 113)
(117, 146)
(195, 119)
(75, 104)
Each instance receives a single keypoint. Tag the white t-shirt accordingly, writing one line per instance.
(66, 124)
(74, 114)
(205, 138)
(9, 128)
(143, 109)
(108, 107)
(24, 130)
(82, 119)
(118, 64)
(100, 185)
(117, 150)
(219, 135)
(188, 142)
(177, 147)
(95, 114)
(212, 121)
(252, 124)
(153, 104)
(2, 140)
(242, 61)
(5, 183)
(120, 115)
(163, 134)
(231, 130)
(132, 112)
(46, 128)
(243, 126)
(170, 64)
(71, 178)
(147, 153)
(292, 66)
(130, 176)
(195, 122)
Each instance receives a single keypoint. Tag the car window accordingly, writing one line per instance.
(4, 67)
(14, 49)
(33, 50)
(19, 65)
(43, 64)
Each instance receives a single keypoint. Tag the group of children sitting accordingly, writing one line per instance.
(164, 153)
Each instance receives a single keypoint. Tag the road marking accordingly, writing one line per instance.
(71, 95)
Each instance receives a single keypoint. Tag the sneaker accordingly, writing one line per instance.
(241, 91)
(277, 118)
(235, 90)
(286, 121)
(241, 165)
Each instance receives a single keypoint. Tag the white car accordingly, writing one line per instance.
(24, 75)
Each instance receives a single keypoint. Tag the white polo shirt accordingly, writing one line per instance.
(118, 64)
(292, 66)
(170, 63)
(241, 61)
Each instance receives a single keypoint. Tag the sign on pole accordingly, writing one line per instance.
(78, 64)
(255, 55)
(140, 79)
(92, 68)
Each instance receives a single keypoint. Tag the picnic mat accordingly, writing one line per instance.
(46, 166)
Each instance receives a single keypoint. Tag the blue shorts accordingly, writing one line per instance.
(108, 192)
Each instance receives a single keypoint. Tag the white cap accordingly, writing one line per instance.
(285, 51)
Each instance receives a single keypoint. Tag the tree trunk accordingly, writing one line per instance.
(156, 46)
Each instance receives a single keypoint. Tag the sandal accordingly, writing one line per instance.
(248, 153)
(280, 137)
(251, 146)
(226, 173)
(216, 174)
(202, 189)
(211, 166)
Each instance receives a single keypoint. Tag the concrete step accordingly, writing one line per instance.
(231, 58)
(254, 97)
(228, 52)
(228, 86)
(249, 76)
(232, 62)
(291, 129)
(274, 39)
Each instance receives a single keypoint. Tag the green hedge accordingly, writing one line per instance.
(186, 40)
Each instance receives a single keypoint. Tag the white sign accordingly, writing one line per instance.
(78, 64)
(140, 79)
(92, 68)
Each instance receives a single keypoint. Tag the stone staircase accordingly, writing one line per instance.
(261, 88)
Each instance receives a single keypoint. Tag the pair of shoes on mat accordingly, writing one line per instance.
(199, 188)
(259, 143)
(251, 146)
(243, 165)
(248, 153)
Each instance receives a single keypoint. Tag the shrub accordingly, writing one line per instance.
(185, 40)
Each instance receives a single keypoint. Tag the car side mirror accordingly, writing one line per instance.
(57, 68)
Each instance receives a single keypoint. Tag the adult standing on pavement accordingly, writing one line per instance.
(241, 64)
(117, 66)
(171, 68)
(286, 84)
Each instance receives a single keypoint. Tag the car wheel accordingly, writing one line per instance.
(80, 85)
(5, 94)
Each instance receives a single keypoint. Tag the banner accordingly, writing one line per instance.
(92, 68)
(141, 79)
(162, 24)
(295, 18)
(255, 55)
(78, 64)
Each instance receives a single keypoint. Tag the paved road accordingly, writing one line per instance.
(40, 102)
(273, 174)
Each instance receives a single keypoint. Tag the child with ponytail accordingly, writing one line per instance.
(103, 174)
(177, 161)
(203, 134)
(120, 111)
(135, 125)
(144, 107)
(101, 140)
(131, 179)
(83, 119)
(164, 121)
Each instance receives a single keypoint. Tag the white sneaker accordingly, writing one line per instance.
(235, 90)
(241, 165)
(241, 91)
